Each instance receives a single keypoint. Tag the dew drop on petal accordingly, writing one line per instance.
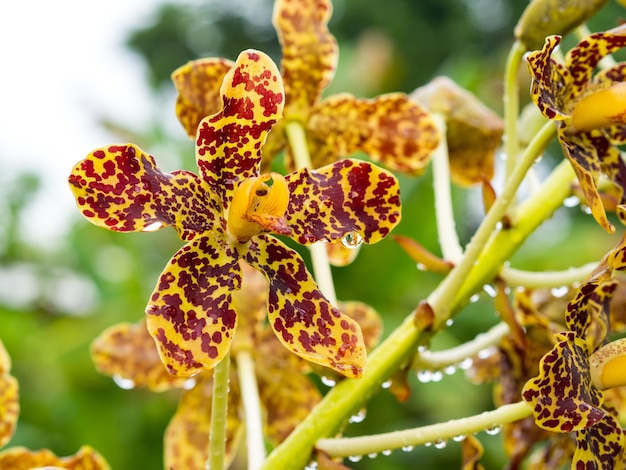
(121, 382)
(358, 417)
(189, 383)
(352, 240)
(153, 227)
(328, 381)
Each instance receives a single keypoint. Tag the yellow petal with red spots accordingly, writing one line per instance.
(9, 404)
(472, 451)
(228, 143)
(391, 129)
(304, 321)
(128, 351)
(198, 84)
(20, 458)
(190, 313)
(310, 52)
(368, 319)
(286, 393)
(187, 435)
(340, 254)
(348, 198)
(600, 446)
(121, 188)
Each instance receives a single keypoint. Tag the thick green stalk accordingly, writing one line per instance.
(349, 396)
(219, 415)
(511, 105)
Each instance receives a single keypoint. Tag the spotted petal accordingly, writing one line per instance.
(9, 404)
(198, 84)
(347, 197)
(310, 52)
(20, 458)
(228, 144)
(390, 129)
(304, 321)
(120, 188)
(128, 351)
(605, 79)
(562, 396)
(190, 313)
(187, 435)
(600, 446)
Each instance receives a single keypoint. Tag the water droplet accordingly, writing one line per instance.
(121, 382)
(428, 444)
(499, 225)
(408, 448)
(436, 376)
(424, 376)
(421, 267)
(386, 452)
(490, 290)
(372, 455)
(484, 353)
(571, 201)
(559, 291)
(358, 417)
(586, 209)
(440, 444)
(386, 384)
(153, 227)
(449, 370)
(189, 384)
(492, 431)
(474, 298)
(355, 458)
(466, 363)
(311, 466)
(449, 322)
(459, 438)
(421, 348)
(352, 240)
(328, 381)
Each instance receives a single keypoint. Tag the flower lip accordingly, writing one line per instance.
(608, 365)
(258, 207)
(601, 109)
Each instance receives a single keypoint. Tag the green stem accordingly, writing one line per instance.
(444, 214)
(219, 412)
(456, 428)
(511, 105)
(319, 256)
(439, 298)
(517, 277)
(453, 356)
(252, 409)
(348, 396)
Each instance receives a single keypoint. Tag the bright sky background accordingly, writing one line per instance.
(61, 64)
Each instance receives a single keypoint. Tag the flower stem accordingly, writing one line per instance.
(347, 446)
(439, 298)
(517, 277)
(453, 356)
(319, 256)
(348, 396)
(252, 409)
(219, 412)
(511, 105)
(446, 229)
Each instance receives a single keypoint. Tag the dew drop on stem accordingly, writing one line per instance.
(440, 444)
(355, 458)
(358, 417)
(123, 383)
(328, 381)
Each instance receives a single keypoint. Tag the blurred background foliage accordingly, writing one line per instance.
(54, 299)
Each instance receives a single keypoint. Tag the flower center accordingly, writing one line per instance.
(601, 109)
(258, 207)
(608, 365)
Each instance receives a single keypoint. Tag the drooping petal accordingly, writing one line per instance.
(472, 451)
(563, 396)
(187, 435)
(600, 446)
(198, 84)
(190, 313)
(9, 403)
(390, 129)
(228, 143)
(582, 59)
(20, 458)
(286, 393)
(128, 351)
(304, 321)
(368, 319)
(340, 254)
(121, 188)
(551, 87)
(347, 197)
(310, 52)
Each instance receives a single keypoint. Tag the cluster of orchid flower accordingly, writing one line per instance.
(237, 321)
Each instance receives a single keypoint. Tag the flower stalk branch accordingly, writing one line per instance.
(511, 105)
(252, 409)
(440, 432)
(518, 277)
(219, 412)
